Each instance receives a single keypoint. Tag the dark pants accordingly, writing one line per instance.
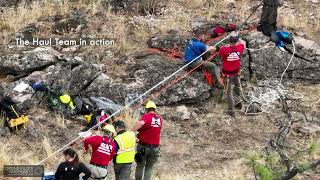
(122, 171)
(208, 66)
(147, 158)
(233, 86)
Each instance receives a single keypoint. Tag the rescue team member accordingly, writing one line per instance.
(149, 128)
(126, 145)
(103, 150)
(71, 168)
(195, 48)
(231, 56)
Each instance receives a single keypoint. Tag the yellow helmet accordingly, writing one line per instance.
(65, 98)
(151, 104)
(109, 128)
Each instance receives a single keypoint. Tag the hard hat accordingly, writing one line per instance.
(88, 118)
(151, 104)
(234, 37)
(109, 128)
(65, 98)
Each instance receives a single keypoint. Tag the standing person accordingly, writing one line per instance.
(71, 168)
(149, 128)
(231, 56)
(195, 48)
(103, 150)
(268, 20)
(126, 145)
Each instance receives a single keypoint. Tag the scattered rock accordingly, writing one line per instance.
(75, 22)
(28, 32)
(183, 112)
(168, 42)
(3, 132)
(6, 3)
(308, 128)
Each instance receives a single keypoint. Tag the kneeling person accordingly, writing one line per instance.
(194, 49)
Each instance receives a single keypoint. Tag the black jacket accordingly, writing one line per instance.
(71, 171)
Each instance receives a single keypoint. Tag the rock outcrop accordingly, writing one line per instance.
(144, 70)
(144, 73)
(28, 61)
(271, 62)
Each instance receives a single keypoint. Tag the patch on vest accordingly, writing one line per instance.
(156, 122)
(234, 56)
(105, 148)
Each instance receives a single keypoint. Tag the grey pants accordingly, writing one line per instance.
(208, 66)
(122, 171)
(233, 86)
(149, 156)
(97, 172)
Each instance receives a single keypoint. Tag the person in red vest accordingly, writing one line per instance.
(231, 64)
(103, 150)
(149, 128)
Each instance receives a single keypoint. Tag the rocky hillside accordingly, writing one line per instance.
(199, 140)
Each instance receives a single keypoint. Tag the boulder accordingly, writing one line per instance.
(28, 32)
(103, 86)
(82, 76)
(271, 62)
(28, 61)
(7, 3)
(183, 112)
(166, 42)
(308, 128)
(145, 72)
(75, 22)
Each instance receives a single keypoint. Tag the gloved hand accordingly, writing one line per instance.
(217, 48)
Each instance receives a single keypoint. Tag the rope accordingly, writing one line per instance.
(158, 93)
(142, 95)
(271, 91)
(294, 52)
(128, 105)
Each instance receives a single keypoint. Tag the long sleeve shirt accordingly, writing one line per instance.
(71, 171)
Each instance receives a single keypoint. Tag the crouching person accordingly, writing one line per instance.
(126, 144)
(103, 150)
(149, 128)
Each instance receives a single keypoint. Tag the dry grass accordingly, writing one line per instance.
(15, 152)
(14, 19)
(300, 19)
(130, 117)
(60, 121)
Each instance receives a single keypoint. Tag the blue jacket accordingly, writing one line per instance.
(280, 37)
(193, 50)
